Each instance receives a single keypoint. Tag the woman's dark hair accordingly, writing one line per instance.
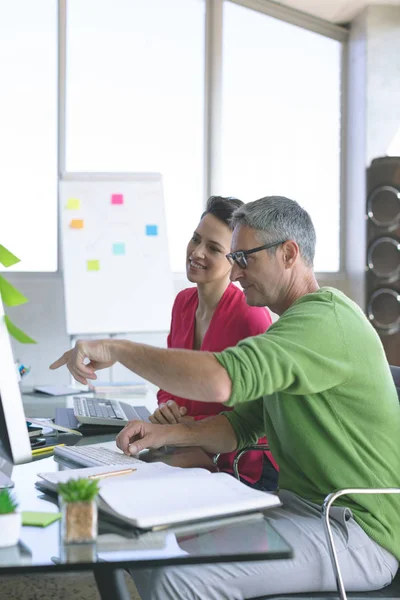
(222, 208)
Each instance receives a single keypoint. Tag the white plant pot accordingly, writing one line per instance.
(10, 528)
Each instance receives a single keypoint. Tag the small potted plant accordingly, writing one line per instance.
(78, 504)
(10, 519)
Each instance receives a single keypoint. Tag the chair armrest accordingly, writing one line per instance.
(261, 447)
(326, 507)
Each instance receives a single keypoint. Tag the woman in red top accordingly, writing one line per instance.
(213, 316)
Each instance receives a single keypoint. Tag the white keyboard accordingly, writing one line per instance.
(90, 456)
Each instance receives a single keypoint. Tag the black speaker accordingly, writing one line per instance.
(383, 252)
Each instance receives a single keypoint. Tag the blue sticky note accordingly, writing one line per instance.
(119, 248)
(151, 230)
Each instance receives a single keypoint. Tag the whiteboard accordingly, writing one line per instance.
(117, 276)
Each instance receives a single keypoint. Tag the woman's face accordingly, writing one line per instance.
(206, 252)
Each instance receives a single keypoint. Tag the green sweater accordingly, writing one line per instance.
(318, 384)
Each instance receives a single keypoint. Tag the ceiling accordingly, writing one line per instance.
(335, 11)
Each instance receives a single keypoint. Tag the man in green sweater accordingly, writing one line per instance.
(317, 383)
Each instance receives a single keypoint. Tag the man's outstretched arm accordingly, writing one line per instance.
(213, 435)
(186, 373)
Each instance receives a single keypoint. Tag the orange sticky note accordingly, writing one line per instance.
(93, 265)
(76, 224)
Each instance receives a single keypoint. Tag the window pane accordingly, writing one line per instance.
(281, 119)
(28, 126)
(135, 88)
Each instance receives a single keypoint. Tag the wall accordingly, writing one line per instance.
(373, 119)
(383, 78)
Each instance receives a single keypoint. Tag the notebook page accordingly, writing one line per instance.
(142, 471)
(182, 497)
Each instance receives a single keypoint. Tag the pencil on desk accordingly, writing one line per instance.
(111, 474)
(45, 449)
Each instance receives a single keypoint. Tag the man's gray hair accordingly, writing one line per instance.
(278, 218)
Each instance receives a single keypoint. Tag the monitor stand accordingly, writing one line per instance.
(5, 471)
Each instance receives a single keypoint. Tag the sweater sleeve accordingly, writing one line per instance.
(304, 352)
(247, 421)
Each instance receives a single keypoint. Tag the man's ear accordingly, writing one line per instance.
(290, 252)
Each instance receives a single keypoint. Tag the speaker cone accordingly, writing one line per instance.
(384, 311)
(383, 207)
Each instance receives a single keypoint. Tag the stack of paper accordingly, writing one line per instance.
(119, 388)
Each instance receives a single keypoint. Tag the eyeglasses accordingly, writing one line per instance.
(239, 257)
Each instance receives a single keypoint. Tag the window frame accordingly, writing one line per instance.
(213, 99)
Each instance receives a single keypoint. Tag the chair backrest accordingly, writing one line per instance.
(396, 378)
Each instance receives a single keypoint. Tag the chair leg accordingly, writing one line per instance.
(329, 500)
(111, 584)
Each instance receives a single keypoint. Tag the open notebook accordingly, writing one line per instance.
(158, 495)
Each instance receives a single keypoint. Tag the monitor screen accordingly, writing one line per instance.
(14, 440)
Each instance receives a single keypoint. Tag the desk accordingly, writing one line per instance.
(118, 547)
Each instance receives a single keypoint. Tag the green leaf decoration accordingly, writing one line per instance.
(8, 504)
(78, 490)
(18, 334)
(7, 258)
(10, 295)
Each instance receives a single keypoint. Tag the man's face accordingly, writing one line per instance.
(264, 279)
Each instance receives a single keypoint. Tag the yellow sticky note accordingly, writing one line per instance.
(76, 224)
(7, 258)
(73, 204)
(18, 334)
(10, 295)
(93, 265)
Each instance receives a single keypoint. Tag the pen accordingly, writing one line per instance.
(111, 474)
(37, 451)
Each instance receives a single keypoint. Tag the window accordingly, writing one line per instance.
(135, 98)
(28, 125)
(281, 119)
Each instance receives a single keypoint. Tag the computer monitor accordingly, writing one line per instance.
(15, 447)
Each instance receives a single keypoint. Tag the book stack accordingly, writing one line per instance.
(119, 388)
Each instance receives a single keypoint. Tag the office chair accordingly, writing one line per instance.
(390, 592)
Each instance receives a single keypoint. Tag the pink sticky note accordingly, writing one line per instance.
(117, 198)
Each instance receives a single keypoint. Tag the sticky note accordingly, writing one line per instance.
(73, 204)
(93, 265)
(10, 295)
(18, 334)
(7, 258)
(76, 224)
(119, 249)
(117, 199)
(151, 230)
(39, 519)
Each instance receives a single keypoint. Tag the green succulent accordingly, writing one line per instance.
(8, 504)
(78, 490)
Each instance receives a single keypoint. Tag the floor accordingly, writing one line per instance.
(64, 586)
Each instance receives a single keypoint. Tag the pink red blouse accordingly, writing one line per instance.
(233, 320)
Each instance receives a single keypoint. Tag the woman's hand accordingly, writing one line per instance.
(170, 413)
